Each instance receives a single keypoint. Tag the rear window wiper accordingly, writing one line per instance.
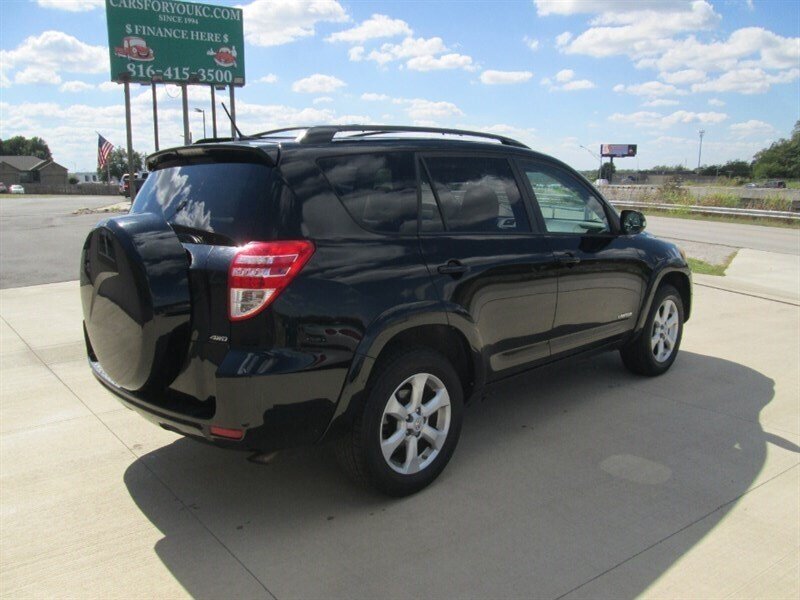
(194, 235)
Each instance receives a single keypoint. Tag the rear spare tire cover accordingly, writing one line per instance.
(136, 300)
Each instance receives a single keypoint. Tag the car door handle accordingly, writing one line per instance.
(453, 267)
(567, 258)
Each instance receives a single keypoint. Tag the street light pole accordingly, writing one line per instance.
(200, 110)
(599, 158)
(702, 132)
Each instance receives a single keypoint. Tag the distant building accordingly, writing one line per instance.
(87, 177)
(31, 169)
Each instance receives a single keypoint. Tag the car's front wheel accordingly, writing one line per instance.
(656, 348)
(410, 424)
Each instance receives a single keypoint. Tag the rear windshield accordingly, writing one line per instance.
(229, 200)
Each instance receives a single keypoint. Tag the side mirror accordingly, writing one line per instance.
(632, 222)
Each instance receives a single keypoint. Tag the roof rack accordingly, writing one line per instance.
(272, 132)
(326, 133)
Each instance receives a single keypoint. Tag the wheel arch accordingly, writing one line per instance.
(677, 276)
(416, 329)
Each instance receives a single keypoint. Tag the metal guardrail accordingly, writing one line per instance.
(713, 210)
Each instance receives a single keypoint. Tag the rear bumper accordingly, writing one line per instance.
(274, 398)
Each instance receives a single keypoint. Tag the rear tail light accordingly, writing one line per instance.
(262, 270)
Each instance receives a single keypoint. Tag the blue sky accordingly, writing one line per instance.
(556, 74)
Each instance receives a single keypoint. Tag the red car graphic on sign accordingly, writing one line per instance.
(134, 48)
(224, 57)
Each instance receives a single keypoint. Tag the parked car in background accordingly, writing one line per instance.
(124, 186)
(772, 183)
(359, 285)
(16, 189)
(3, 188)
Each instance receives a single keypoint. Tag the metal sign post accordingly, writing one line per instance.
(214, 112)
(233, 112)
(131, 178)
(155, 115)
(185, 103)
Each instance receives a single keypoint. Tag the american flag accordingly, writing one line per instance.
(104, 148)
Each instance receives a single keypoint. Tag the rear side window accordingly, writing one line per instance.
(477, 194)
(227, 199)
(378, 190)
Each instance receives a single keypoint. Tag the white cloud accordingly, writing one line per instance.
(317, 84)
(372, 97)
(562, 39)
(270, 78)
(752, 128)
(322, 100)
(419, 54)
(654, 120)
(531, 43)
(109, 86)
(491, 77)
(277, 22)
(37, 74)
(766, 49)
(640, 29)
(661, 35)
(716, 102)
(576, 85)
(684, 76)
(746, 81)
(651, 89)
(660, 102)
(377, 26)
(565, 75)
(573, 7)
(564, 81)
(424, 110)
(75, 86)
(42, 58)
(438, 63)
(71, 5)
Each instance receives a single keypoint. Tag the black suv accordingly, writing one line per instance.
(360, 284)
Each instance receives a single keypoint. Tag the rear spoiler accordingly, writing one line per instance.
(233, 152)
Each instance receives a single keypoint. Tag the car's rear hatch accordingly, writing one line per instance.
(155, 282)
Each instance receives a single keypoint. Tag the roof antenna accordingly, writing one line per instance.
(238, 131)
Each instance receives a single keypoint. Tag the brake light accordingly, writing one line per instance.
(260, 271)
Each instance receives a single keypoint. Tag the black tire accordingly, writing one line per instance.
(359, 450)
(638, 355)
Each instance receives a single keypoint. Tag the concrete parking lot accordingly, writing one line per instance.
(577, 481)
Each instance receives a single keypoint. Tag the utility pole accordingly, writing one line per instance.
(702, 132)
(200, 110)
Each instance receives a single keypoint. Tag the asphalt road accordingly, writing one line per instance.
(755, 237)
(41, 238)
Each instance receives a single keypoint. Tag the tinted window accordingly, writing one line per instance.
(227, 199)
(430, 216)
(477, 194)
(378, 190)
(566, 205)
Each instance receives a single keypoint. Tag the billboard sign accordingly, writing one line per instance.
(618, 150)
(175, 41)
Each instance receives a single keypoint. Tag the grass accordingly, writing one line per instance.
(705, 268)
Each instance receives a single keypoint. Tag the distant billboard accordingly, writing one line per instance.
(175, 41)
(618, 150)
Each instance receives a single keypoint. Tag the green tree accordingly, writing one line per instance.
(118, 163)
(22, 146)
(607, 171)
(781, 159)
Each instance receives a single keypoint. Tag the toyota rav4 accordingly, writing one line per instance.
(360, 284)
